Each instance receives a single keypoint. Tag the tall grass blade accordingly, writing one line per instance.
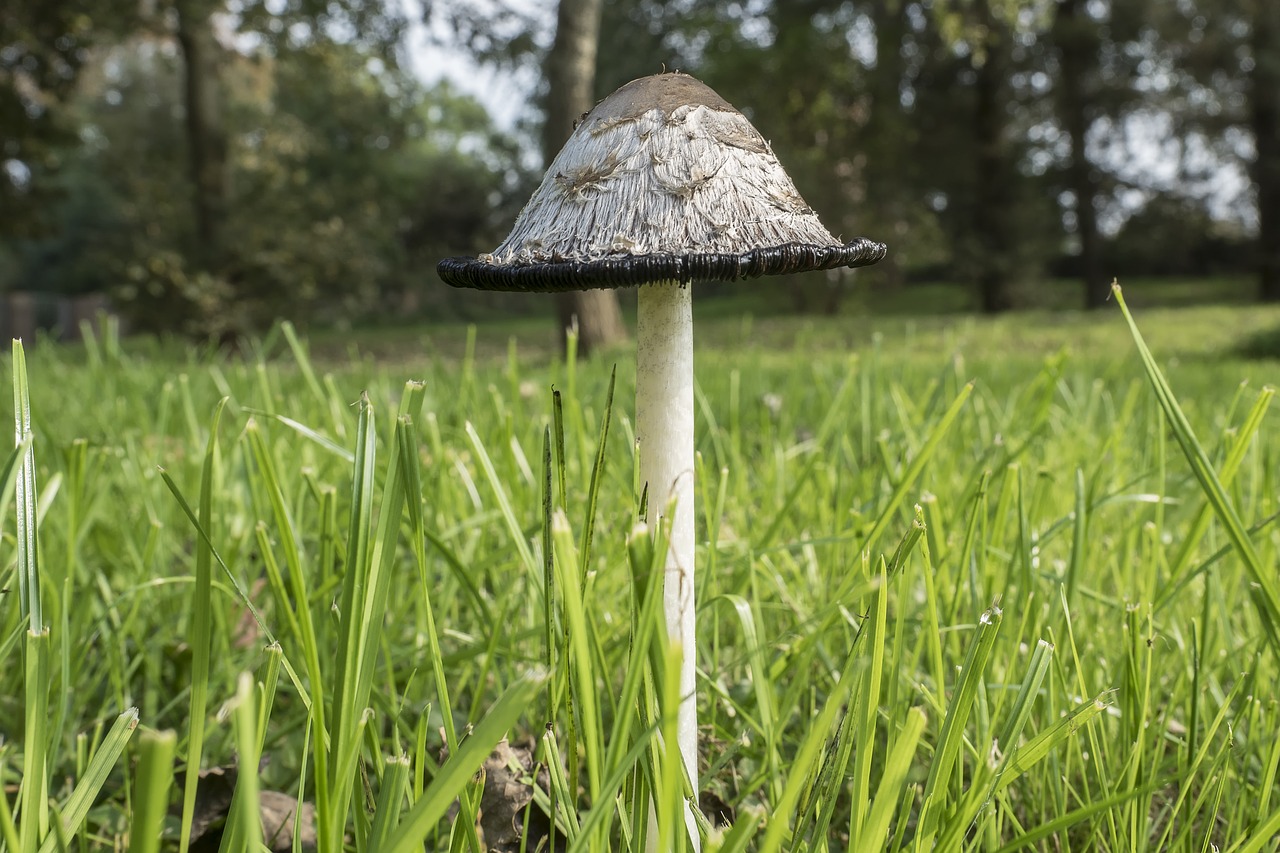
(95, 776)
(986, 776)
(153, 780)
(808, 754)
(1034, 750)
(457, 771)
(26, 497)
(386, 815)
(580, 658)
(1264, 590)
(34, 793)
(348, 707)
(201, 635)
(1071, 819)
(867, 704)
(1230, 465)
(8, 828)
(407, 445)
(890, 789)
(951, 738)
(916, 466)
(593, 487)
(518, 540)
(244, 823)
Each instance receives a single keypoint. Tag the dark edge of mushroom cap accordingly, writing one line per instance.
(631, 270)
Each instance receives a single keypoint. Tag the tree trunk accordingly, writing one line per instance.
(1077, 56)
(571, 73)
(887, 139)
(1265, 115)
(994, 200)
(206, 135)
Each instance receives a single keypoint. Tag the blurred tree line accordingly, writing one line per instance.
(216, 163)
(214, 166)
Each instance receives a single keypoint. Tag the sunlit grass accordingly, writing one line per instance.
(963, 583)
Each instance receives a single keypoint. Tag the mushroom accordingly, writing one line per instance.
(663, 183)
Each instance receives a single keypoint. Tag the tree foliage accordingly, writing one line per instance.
(989, 142)
(344, 178)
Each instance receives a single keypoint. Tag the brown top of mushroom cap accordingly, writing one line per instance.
(663, 180)
(665, 92)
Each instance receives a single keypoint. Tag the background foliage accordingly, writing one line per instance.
(214, 165)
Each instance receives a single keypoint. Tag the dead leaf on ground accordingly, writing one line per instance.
(213, 804)
(507, 796)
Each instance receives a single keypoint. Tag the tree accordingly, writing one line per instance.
(1224, 63)
(571, 72)
(1076, 41)
(993, 202)
(1264, 96)
(206, 135)
(888, 137)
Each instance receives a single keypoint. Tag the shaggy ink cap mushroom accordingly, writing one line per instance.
(663, 181)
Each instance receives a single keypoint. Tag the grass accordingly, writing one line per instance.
(964, 584)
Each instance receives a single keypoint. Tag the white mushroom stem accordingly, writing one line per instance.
(664, 431)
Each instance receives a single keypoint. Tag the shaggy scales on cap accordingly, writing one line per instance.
(662, 181)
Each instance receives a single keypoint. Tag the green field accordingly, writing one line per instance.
(964, 584)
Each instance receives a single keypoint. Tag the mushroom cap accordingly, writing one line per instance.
(663, 180)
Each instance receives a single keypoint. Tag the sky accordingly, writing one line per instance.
(504, 93)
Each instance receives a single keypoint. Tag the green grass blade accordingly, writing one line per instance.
(951, 738)
(561, 464)
(1034, 750)
(457, 771)
(580, 658)
(153, 780)
(407, 445)
(914, 469)
(95, 776)
(8, 829)
(496, 483)
(647, 623)
(766, 699)
(808, 754)
(669, 794)
(386, 815)
(593, 486)
(303, 361)
(1185, 787)
(867, 703)
(548, 576)
(889, 791)
(1071, 819)
(201, 636)
(1265, 593)
(1230, 465)
(1261, 837)
(598, 818)
(563, 798)
(348, 708)
(34, 793)
(244, 823)
(26, 497)
(320, 439)
(986, 777)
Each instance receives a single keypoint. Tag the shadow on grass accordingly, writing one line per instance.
(1263, 345)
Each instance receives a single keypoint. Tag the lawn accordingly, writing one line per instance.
(963, 584)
